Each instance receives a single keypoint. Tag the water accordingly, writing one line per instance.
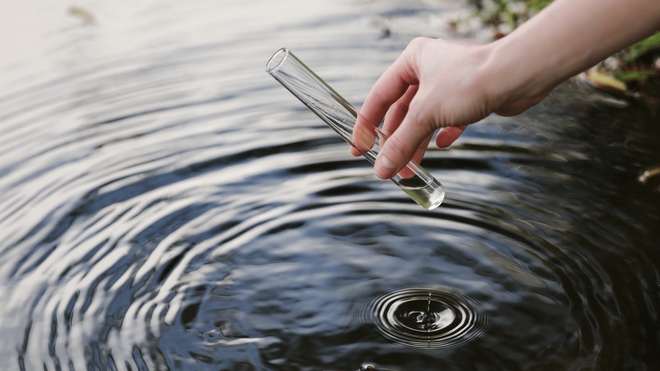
(426, 318)
(167, 205)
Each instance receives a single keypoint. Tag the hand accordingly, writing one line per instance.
(434, 84)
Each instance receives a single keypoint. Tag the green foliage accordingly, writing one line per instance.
(627, 76)
(537, 5)
(511, 13)
(636, 51)
(638, 66)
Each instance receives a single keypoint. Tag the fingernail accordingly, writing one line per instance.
(384, 167)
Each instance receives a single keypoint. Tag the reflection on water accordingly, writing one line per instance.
(167, 205)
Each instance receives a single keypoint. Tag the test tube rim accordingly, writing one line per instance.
(269, 65)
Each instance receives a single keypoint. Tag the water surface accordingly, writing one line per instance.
(166, 205)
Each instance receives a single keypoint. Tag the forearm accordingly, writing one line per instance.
(567, 37)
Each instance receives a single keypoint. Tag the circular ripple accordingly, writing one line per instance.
(435, 317)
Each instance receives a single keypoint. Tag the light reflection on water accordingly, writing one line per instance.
(167, 205)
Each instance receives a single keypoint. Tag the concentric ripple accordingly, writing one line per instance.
(435, 317)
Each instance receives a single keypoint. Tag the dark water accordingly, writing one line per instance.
(166, 205)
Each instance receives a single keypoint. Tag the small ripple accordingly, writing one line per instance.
(433, 317)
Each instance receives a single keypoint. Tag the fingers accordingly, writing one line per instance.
(407, 173)
(400, 148)
(364, 137)
(447, 135)
(393, 92)
(419, 154)
(393, 119)
(412, 113)
(398, 111)
(389, 88)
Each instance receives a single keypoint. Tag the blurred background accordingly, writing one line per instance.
(166, 205)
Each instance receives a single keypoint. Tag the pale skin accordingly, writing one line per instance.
(437, 84)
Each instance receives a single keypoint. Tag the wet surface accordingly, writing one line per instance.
(165, 204)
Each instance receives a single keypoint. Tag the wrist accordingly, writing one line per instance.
(514, 78)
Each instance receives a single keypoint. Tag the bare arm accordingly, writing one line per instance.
(451, 85)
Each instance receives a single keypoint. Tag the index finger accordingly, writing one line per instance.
(391, 86)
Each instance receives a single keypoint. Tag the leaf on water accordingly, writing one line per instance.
(605, 81)
(81, 13)
(649, 174)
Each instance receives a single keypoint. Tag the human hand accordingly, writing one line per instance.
(434, 84)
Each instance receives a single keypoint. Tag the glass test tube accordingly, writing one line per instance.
(341, 116)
